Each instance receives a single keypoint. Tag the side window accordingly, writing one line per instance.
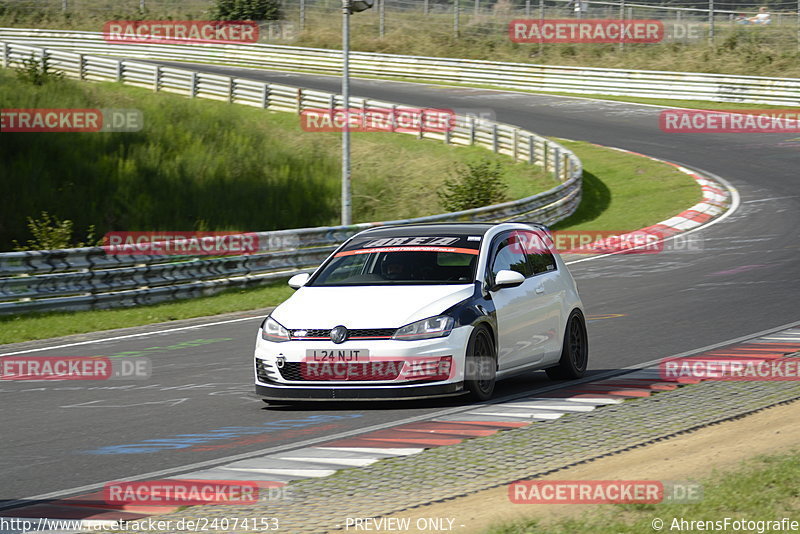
(510, 255)
(540, 258)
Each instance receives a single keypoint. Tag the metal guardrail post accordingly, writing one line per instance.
(514, 143)
(299, 100)
(531, 150)
(265, 96)
(119, 70)
(472, 130)
(157, 78)
(544, 155)
(4, 55)
(80, 67)
(495, 146)
(557, 163)
(231, 89)
(193, 85)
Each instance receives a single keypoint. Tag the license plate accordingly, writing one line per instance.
(337, 355)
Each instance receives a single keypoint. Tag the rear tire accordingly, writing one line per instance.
(481, 364)
(574, 351)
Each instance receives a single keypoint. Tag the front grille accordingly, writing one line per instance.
(341, 371)
(358, 333)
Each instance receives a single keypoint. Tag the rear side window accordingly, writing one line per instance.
(537, 250)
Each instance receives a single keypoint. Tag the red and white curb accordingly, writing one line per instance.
(718, 198)
(276, 470)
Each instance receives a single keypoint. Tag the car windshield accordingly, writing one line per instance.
(402, 261)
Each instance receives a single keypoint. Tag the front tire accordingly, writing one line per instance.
(481, 364)
(574, 351)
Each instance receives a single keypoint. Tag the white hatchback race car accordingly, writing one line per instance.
(418, 311)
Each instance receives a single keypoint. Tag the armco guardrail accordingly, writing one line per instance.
(89, 278)
(523, 76)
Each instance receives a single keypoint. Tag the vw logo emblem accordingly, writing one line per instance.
(339, 334)
(280, 361)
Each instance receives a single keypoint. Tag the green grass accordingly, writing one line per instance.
(45, 325)
(206, 165)
(746, 50)
(764, 488)
(621, 192)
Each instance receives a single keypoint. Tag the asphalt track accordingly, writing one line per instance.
(60, 436)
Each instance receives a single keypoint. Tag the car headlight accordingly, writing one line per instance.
(426, 329)
(272, 330)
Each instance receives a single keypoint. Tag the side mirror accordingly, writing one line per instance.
(507, 279)
(299, 280)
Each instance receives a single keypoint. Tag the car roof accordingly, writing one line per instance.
(450, 228)
(411, 230)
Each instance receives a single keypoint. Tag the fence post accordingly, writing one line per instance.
(494, 138)
(541, 10)
(64, 6)
(456, 10)
(472, 130)
(382, 18)
(622, 17)
(141, 6)
(425, 7)
(421, 124)
(265, 96)
(302, 15)
(393, 117)
(515, 142)
(798, 25)
(557, 163)
(711, 21)
(544, 155)
(531, 150)
(527, 9)
(157, 78)
(477, 7)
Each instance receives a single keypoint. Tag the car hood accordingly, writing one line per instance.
(367, 306)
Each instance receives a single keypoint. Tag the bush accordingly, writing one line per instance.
(51, 233)
(247, 10)
(37, 72)
(476, 184)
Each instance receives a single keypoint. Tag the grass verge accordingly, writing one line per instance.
(763, 489)
(621, 192)
(263, 173)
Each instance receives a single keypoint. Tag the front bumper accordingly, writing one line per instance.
(363, 393)
(276, 382)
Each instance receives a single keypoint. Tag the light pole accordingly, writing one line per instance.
(348, 7)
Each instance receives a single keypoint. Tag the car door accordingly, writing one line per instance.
(548, 291)
(517, 333)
